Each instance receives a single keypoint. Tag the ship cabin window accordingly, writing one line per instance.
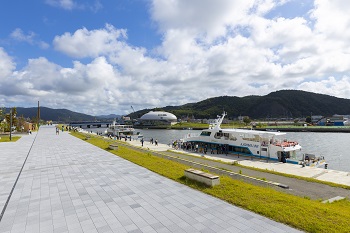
(218, 135)
(205, 133)
(249, 137)
(226, 135)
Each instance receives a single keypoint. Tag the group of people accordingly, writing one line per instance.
(68, 128)
(201, 147)
(120, 137)
(151, 141)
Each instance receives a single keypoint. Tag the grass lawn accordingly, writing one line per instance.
(302, 213)
(7, 138)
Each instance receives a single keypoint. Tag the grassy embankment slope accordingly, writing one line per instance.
(301, 213)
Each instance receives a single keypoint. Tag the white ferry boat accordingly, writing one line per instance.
(260, 144)
(123, 131)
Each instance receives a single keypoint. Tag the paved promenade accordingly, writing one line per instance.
(68, 185)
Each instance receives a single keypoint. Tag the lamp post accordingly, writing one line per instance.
(10, 124)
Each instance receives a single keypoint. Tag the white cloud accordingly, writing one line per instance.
(208, 48)
(29, 38)
(19, 35)
(85, 43)
(71, 5)
(330, 86)
(206, 19)
(6, 65)
(65, 4)
(332, 19)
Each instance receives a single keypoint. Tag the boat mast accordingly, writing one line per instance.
(218, 121)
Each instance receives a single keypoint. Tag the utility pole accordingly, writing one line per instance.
(38, 114)
(11, 124)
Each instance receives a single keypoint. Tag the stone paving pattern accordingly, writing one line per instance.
(68, 185)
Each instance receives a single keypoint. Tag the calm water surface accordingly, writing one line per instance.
(335, 147)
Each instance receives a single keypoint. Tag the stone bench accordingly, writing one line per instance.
(206, 178)
(113, 147)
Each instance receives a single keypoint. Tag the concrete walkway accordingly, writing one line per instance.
(68, 185)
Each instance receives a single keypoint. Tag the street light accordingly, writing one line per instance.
(10, 124)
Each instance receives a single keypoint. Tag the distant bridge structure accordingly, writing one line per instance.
(90, 124)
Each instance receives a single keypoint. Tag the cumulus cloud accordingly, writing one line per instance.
(339, 87)
(6, 64)
(208, 48)
(85, 43)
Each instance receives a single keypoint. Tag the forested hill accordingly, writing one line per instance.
(279, 104)
(62, 115)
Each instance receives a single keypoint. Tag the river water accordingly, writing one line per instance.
(335, 147)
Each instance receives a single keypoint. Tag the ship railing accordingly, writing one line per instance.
(313, 160)
(126, 129)
(285, 143)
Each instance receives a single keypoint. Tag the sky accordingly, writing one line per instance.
(104, 56)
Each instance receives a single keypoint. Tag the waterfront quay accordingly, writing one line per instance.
(318, 173)
(59, 183)
(294, 186)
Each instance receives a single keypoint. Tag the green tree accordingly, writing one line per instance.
(8, 119)
(246, 120)
(2, 116)
(296, 122)
(308, 119)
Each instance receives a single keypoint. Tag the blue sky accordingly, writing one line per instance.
(101, 56)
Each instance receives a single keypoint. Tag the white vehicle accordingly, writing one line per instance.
(260, 144)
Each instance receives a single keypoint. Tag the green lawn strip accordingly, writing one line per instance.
(302, 213)
(294, 176)
(268, 171)
(7, 138)
(186, 125)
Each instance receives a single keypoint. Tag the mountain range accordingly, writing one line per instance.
(278, 104)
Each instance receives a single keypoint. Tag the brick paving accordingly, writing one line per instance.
(68, 185)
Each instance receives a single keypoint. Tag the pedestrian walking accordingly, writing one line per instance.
(141, 141)
(156, 142)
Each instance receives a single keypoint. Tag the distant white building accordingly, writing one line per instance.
(157, 118)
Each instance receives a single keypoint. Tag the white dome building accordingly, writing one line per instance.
(157, 118)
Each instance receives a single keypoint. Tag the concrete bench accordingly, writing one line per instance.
(113, 147)
(206, 178)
